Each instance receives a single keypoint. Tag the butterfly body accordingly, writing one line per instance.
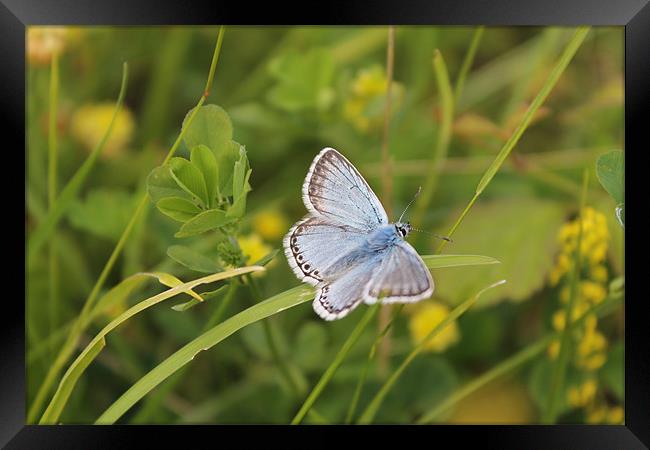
(346, 246)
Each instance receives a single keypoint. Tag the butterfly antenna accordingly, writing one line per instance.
(407, 206)
(444, 238)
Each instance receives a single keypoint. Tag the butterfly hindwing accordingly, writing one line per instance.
(402, 277)
(334, 189)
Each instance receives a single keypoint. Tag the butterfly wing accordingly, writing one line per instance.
(314, 244)
(402, 277)
(336, 299)
(335, 190)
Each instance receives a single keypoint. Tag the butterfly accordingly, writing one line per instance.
(346, 247)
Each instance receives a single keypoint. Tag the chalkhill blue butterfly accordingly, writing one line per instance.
(346, 247)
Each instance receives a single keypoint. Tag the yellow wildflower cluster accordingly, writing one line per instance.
(589, 343)
(365, 105)
(591, 290)
(270, 224)
(425, 318)
(596, 410)
(90, 122)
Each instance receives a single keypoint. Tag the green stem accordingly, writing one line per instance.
(559, 372)
(549, 84)
(69, 346)
(336, 363)
(444, 137)
(467, 62)
(51, 191)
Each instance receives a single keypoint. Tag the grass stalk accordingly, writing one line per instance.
(371, 410)
(51, 192)
(559, 370)
(336, 363)
(562, 63)
(387, 179)
(69, 346)
(467, 62)
(443, 138)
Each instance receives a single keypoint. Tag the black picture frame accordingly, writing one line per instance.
(634, 15)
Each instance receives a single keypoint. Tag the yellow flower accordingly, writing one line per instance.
(364, 107)
(582, 395)
(554, 349)
(425, 318)
(253, 248)
(598, 273)
(592, 292)
(591, 350)
(43, 42)
(597, 415)
(90, 122)
(616, 415)
(270, 224)
(559, 320)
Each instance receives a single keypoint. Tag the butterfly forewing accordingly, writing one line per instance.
(402, 277)
(334, 189)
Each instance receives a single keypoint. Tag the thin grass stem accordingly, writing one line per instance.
(51, 192)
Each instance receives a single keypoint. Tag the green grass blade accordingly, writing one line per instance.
(336, 363)
(512, 363)
(51, 192)
(438, 261)
(75, 370)
(539, 99)
(467, 63)
(46, 226)
(369, 413)
(443, 138)
(169, 366)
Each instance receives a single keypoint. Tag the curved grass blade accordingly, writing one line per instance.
(372, 408)
(180, 358)
(69, 192)
(75, 370)
(438, 261)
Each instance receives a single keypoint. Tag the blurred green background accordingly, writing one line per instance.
(290, 92)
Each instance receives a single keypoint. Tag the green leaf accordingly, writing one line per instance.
(211, 127)
(161, 184)
(264, 260)
(303, 80)
(610, 173)
(520, 233)
(206, 221)
(180, 209)
(212, 337)
(192, 259)
(189, 178)
(181, 307)
(104, 212)
(206, 162)
(226, 160)
(240, 186)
